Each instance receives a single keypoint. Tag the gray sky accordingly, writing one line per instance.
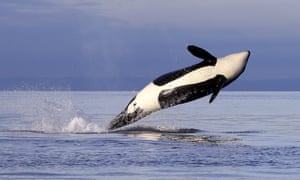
(123, 44)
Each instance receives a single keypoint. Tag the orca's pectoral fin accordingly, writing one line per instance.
(220, 81)
(203, 54)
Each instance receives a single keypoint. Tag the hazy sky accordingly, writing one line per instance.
(125, 40)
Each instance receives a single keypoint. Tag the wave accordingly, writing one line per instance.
(76, 125)
(155, 129)
(154, 133)
(159, 133)
(243, 132)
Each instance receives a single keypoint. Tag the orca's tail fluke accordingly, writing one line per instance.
(125, 118)
(202, 54)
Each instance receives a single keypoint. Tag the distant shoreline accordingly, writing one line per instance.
(129, 84)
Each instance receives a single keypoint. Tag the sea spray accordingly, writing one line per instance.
(80, 125)
(60, 116)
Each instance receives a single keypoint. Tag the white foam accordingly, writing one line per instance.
(80, 125)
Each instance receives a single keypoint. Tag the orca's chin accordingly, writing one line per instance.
(125, 118)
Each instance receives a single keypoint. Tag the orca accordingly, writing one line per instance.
(184, 85)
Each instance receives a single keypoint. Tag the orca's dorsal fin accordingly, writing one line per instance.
(203, 54)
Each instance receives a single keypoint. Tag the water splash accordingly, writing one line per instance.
(80, 125)
(60, 116)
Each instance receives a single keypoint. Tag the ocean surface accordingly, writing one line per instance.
(62, 135)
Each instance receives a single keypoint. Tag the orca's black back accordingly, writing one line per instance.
(166, 78)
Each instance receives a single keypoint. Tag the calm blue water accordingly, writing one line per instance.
(62, 135)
